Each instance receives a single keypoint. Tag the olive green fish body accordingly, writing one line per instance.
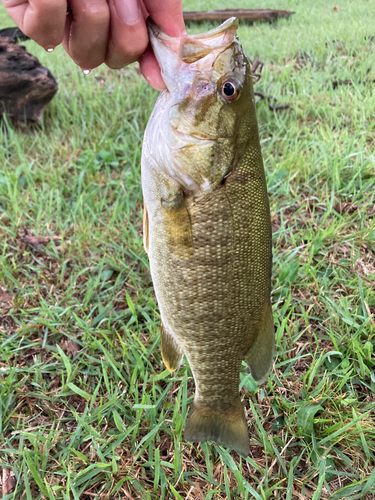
(208, 237)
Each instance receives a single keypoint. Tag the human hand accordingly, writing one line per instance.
(99, 31)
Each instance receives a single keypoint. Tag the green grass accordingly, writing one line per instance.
(87, 409)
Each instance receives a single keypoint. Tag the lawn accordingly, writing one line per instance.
(87, 409)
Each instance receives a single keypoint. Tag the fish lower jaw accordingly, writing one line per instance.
(188, 139)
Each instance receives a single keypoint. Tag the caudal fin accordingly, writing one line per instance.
(228, 429)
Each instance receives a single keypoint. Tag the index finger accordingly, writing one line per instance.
(41, 20)
(167, 15)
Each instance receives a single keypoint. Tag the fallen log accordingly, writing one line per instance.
(26, 87)
(15, 33)
(246, 15)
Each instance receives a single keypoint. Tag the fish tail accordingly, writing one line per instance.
(228, 428)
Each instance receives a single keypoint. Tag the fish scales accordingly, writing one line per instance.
(207, 227)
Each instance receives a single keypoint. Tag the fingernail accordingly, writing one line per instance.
(86, 71)
(50, 49)
(156, 83)
(127, 10)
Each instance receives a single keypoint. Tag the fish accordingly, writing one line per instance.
(207, 226)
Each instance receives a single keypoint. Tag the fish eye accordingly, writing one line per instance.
(230, 90)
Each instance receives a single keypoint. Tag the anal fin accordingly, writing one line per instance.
(259, 358)
(170, 350)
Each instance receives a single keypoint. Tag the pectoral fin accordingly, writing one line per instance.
(259, 357)
(178, 227)
(145, 228)
(170, 350)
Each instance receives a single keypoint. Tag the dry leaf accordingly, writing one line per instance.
(298, 494)
(36, 241)
(6, 299)
(348, 207)
(70, 347)
(336, 9)
(336, 83)
(9, 482)
(308, 493)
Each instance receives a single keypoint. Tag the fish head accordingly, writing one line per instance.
(208, 106)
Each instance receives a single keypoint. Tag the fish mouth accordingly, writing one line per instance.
(176, 55)
(166, 49)
(194, 47)
(159, 38)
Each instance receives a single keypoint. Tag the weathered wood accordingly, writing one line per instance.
(15, 33)
(26, 87)
(247, 15)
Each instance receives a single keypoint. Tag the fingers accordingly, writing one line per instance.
(151, 71)
(167, 14)
(97, 31)
(128, 33)
(86, 33)
(41, 20)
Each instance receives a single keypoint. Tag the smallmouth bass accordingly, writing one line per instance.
(207, 227)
